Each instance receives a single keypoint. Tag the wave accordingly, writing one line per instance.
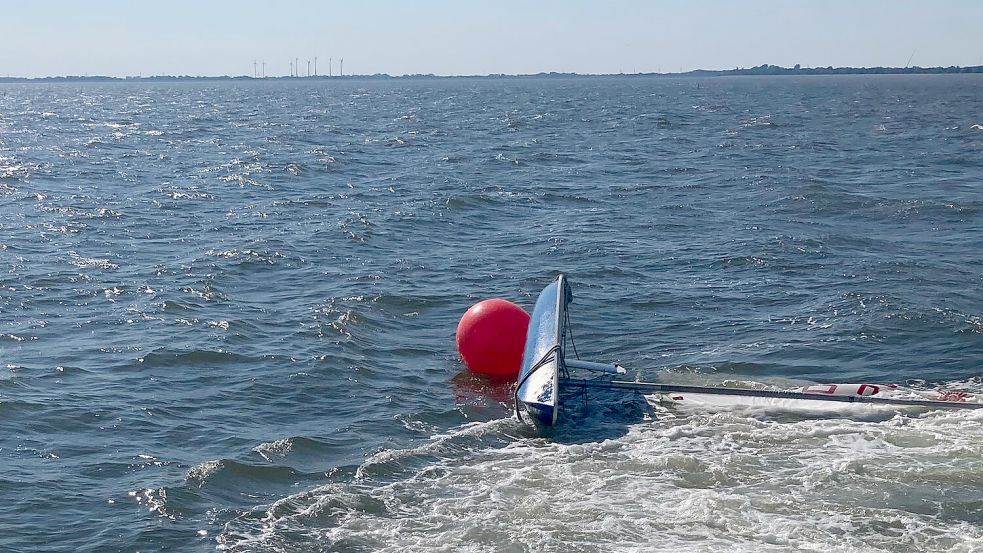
(163, 357)
(229, 473)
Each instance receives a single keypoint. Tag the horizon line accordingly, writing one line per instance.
(764, 69)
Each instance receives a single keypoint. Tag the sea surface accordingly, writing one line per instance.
(227, 312)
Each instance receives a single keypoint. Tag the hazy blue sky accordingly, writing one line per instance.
(205, 37)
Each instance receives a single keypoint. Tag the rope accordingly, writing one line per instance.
(570, 332)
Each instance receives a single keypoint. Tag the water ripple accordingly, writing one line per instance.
(227, 311)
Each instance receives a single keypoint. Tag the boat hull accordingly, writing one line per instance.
(537, 391)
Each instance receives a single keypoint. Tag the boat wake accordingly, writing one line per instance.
(735, 479)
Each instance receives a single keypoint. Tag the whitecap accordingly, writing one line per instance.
(89, 263)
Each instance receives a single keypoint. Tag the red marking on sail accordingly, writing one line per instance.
(868, 389)
(952, 395)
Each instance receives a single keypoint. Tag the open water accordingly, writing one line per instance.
(227, 312)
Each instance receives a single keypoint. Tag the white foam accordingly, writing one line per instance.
(732, 480)
(89, 263)
(271, 450)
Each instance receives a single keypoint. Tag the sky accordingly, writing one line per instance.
(445, 37)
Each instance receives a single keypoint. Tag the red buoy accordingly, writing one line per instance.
(491, 337)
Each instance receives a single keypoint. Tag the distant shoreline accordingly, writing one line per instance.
(766, 70)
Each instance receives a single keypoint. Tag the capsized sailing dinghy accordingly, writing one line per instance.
(545, 372)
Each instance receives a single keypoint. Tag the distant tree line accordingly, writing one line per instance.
(766, 69)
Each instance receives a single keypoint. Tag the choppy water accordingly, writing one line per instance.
(227, 312)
